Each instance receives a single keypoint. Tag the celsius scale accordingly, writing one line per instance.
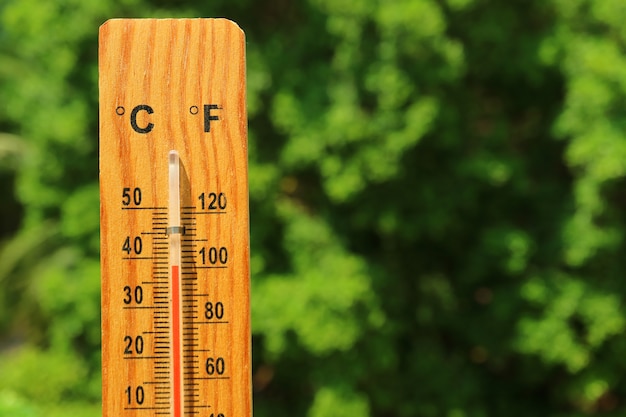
(174, 219)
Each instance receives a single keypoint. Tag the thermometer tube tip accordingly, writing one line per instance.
(173, 157)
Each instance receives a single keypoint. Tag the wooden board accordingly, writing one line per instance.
(174, 84)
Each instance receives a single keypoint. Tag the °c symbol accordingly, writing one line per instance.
(120, 111)
(133, 118)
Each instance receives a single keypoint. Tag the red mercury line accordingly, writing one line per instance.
(176, 342)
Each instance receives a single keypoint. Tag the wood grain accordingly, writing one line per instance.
(173, 84)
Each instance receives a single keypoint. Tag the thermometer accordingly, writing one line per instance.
(174, 219)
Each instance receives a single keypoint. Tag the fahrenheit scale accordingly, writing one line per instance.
(174, 219)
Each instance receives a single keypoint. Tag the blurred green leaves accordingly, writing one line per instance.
(330, 287)
(46, 377)
(336, 402)
(593, 117)
(575, 320)
(12, 404)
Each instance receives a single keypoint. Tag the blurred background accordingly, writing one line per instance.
(437, 192)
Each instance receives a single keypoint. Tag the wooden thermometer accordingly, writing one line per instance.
(174, 219)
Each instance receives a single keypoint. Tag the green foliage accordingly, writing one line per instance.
(435, 191)
(45, 376)
(324, 317)
(12, 405)
(564, 302)
(336, 402)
